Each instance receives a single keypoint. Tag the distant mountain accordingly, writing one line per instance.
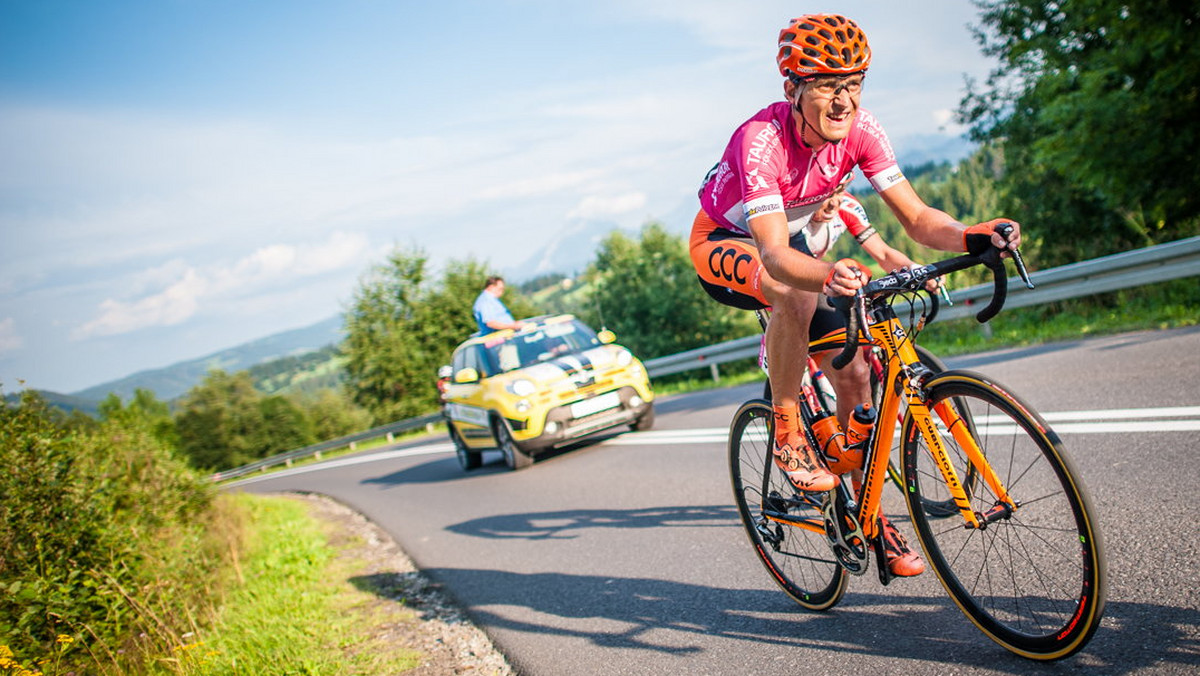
(63, 402)
(921, 149)
(568, 252)
(172, 381)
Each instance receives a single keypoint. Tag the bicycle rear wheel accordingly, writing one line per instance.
(775, 514)
(1032, 579)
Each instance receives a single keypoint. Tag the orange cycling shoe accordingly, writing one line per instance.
(902, 561)
(800, 464)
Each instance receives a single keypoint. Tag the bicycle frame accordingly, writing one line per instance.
(901, 382)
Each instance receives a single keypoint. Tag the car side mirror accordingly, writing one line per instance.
(467, 375)
(606, 336)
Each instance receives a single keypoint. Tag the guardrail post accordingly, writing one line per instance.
(716, 373)
(391, 437)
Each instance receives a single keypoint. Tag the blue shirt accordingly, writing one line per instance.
(489, 308)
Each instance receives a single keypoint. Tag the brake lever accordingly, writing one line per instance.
(1020, 263)
(1004, 230)
(945, 294)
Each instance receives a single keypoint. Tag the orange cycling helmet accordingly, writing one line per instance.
(822, 44)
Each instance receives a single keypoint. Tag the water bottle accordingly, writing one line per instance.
(862, 421)
(830, 439)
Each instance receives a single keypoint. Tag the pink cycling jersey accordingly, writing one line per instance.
(767, 169)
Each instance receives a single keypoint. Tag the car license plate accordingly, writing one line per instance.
(596, 404)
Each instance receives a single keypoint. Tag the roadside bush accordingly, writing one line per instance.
(105, 548)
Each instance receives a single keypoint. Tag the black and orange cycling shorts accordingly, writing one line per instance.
(730, 270)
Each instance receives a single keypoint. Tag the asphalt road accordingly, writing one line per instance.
(626, 556)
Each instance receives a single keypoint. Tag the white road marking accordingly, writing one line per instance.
(1109, 421)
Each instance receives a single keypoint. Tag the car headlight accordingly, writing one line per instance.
(522, 387)
(624, 358)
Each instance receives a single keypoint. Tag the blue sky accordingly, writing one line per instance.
(182, 176)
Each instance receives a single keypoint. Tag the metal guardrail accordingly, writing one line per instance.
(389, 431)
(1159, 263)
(1174, 260)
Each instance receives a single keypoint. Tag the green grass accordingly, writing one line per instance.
(294, 610)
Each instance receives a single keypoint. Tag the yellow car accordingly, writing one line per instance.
(551, 382)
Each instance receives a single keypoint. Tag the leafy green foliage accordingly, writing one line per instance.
(224, 422)
(102, 538)
(144, 410)
(1096, 104)
(310, 372)
(645, 290)
(332, 414)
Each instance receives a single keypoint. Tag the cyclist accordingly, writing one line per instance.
(751, 239)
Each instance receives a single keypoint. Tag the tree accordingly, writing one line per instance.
(224, 422)
(402, 325)
(144, 410)
(647, 292)
(333, 415)
(1096, 104)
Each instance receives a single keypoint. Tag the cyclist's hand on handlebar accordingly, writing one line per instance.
(846, 277)
(977, 239)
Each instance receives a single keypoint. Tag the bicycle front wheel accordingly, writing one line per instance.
(1032, 577)
(784, 525)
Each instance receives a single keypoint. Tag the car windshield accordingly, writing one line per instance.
(541, 344)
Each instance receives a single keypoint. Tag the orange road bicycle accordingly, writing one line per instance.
(1000, 514)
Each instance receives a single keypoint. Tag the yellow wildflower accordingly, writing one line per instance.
(63, 639)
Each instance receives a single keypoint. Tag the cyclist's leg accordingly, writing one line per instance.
(725, 259)
(852, 385)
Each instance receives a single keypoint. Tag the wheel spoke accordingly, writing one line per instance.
(797, 558)
(1031, 579)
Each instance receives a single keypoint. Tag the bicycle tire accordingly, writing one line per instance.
(1033, 580)
(798, 559)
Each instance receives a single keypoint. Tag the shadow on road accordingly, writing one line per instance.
(559, 525)
(684, 619)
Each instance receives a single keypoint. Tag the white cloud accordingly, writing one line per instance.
(9, 338)
(173, 305)
(595, 206)
(247, 280)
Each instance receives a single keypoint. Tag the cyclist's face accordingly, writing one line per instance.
(829, 104)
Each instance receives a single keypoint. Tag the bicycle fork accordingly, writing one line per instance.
(964, 438)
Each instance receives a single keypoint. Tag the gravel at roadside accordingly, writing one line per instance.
(442, 632)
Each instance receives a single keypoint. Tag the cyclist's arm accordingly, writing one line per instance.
(782, 262)
(932, 227)
(888, 258)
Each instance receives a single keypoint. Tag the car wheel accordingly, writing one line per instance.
(644, 421)
(514, 457)
(467, 459)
